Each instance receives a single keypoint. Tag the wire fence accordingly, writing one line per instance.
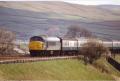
(114, 63)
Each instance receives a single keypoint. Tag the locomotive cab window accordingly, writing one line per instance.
(36, 38)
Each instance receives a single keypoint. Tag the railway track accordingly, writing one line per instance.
(13, 60)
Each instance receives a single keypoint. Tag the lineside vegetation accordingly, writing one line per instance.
(93, 50)
(6, 41)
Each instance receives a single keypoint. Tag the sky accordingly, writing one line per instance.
(94, 2)
(84, 2)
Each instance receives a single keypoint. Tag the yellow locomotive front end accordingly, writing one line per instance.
(36, 46)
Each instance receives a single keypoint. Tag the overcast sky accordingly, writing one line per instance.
(94, 2)
(85, 2)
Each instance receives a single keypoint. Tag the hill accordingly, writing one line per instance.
(52, 18)
(105, 12)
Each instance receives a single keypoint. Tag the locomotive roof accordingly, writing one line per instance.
(81, 38)
(51, 38)
(45, 38)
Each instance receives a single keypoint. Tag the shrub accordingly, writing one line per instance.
(92, 50)
(6, 41)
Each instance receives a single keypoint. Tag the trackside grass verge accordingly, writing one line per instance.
(72, 69)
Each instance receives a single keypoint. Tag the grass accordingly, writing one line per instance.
(52, 70)
(117, 58)
(108, 66)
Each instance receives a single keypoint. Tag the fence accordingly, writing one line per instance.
(114, 63)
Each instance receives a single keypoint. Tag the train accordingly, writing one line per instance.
(56, 46)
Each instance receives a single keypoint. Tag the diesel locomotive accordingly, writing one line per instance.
(56, 46)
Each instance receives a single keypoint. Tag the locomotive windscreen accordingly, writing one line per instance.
(36, 38)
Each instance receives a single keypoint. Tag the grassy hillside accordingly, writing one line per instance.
(62, 8)
(52, 70)
(27, 19)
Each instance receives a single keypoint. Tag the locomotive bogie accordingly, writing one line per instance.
(43, 53)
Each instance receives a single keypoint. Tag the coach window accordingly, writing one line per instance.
(75, 43)
(68, 43)
(65, 43)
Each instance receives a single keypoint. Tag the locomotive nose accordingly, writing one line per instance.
(36, 45)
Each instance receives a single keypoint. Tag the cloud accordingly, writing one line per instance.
(84, 2)
(93, 2)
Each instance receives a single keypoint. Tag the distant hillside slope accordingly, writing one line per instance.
(53, 18)
(92, 12)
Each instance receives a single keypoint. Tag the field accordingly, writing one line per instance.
(52, 70)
